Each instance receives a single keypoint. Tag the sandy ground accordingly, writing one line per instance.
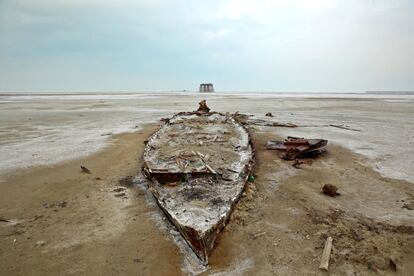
(57, 220)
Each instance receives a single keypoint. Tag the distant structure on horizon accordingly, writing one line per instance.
(206, 87)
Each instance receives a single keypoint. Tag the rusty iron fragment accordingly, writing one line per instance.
(294, 147)
(197, 165)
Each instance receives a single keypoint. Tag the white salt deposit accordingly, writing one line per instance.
(49, 128)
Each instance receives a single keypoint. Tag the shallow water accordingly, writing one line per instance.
(38, 129)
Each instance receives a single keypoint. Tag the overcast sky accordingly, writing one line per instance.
(262, 45)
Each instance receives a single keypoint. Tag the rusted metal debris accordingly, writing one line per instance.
(197, 165)
(330, 190)
(294, 147)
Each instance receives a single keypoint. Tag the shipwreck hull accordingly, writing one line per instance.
(197, 165)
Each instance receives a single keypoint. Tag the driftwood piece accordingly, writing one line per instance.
(259, 122)
(332, 125)
(326, 254)
(344, 127)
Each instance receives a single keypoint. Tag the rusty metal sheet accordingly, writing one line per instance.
(294, 147)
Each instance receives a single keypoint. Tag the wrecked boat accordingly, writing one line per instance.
(197, 165)
(295, 147)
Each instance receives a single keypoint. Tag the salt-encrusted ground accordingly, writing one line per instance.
(58, 220)
(45, 129)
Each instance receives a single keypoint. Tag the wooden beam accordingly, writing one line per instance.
(326, 254)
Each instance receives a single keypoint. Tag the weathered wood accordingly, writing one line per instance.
(198, 196)
(326, 254)
(344, 127)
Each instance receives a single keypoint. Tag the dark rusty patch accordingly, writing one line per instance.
(294, 147)
(194, 194)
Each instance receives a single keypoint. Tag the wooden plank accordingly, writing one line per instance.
(326, 254)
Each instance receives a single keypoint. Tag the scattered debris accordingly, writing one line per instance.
(294, 147)
(408, 206)
(203, 108)
(197, 165)
(260, 122)
(85, 169)
(326, 254)
(297, 164)
(257, 235)
(246, 120)
(119, 189)
(40, 243)
(393, 265)
(36, 217)
(344, 127)
(62, 204)
(362, 240)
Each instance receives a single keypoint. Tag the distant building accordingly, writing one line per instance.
(206, 87)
